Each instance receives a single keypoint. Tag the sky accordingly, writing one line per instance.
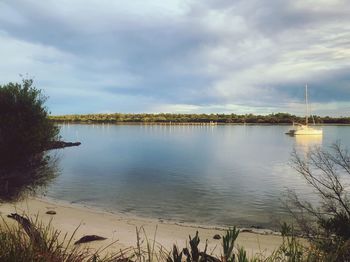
(180, 56)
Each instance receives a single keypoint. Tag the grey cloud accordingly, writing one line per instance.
(184, 59)
(332, 85)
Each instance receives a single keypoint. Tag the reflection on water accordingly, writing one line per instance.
(27, 176)
(222, 175)
(305, 143)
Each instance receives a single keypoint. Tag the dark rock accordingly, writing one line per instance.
(51, 212)
(246, 230)
(89, 238)
(217, 236)
(62, 144)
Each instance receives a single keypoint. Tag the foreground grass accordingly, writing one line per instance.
(38, 242)
(17, 244)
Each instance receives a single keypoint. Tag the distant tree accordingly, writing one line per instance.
(25, 129)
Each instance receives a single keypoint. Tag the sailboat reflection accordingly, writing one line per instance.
(308, 140)
(306, 143)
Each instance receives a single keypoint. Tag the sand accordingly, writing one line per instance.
(120, 229)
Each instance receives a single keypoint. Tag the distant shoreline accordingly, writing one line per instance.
(189, 123)
(198, 119)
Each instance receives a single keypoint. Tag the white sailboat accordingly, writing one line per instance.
(300, 129)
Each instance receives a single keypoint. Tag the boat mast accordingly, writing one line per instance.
(307, 107)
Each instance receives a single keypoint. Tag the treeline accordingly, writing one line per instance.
(278, 118)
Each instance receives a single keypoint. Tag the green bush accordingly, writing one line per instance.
(25, 132)
(25, 129)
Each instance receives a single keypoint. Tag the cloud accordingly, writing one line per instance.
(180, 55)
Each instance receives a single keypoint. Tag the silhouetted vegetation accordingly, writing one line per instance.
(25, 133)
(25, 129)
(326, 226)
(33, 241)
(278, 118)
(30, 240)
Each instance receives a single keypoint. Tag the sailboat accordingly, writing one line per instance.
(300, 129)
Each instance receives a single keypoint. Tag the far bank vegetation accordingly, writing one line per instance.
(277, 118)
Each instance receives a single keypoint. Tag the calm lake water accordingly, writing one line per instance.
(213, 175)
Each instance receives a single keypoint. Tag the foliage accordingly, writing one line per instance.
(327, 226)
(230, 252)
(16, 245)
(25, 132)
(228, 243)
(25, 129)
(291, 249)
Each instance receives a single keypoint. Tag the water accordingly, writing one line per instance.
(213, 175)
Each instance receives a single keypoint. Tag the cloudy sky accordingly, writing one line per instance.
(183, 56)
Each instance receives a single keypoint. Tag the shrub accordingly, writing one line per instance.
(25, 129)
(25, 132)
(326, 226)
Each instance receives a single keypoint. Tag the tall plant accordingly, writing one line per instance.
(327, 226)
(25, 129)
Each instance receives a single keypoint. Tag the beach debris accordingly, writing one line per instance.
(89, 238)
(217, 236)
(62, 144)
(51, 212)
(28, 227)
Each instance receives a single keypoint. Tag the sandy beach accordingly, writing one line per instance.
(121, 230)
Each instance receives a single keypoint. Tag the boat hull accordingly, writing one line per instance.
(306, 131)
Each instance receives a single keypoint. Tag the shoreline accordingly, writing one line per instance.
(122, 227)
(125, 215)
(185, 123)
